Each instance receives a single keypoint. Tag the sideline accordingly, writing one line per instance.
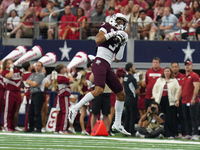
(103, 138)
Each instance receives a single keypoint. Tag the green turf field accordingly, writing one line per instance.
(57, 142)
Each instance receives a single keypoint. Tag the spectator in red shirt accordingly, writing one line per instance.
(189, 90)
(195, 6)
(149, 11)
(25, 28)
(185, 18)
(151, 76)
(72, 31)
(66, 21)
(176, 74)
(37, 8)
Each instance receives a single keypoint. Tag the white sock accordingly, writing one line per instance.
(119, 105)
(88, 97)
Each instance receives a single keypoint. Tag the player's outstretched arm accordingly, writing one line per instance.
(100, 38)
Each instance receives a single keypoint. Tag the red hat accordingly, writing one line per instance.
(188, 62)
(87, 1)
(187, 8)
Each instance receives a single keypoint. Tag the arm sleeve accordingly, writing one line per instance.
(120, 53)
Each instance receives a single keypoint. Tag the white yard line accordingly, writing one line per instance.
(102, 138)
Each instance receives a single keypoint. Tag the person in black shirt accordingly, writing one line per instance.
(131, 90)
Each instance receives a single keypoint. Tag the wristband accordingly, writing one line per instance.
(69, 74)
(11, 69)
(109, 35)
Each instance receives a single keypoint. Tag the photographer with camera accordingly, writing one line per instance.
(155, 120)
(165, 92)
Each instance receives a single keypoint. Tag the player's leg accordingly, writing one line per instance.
(99, 69)
(114, 84)
(88, 97)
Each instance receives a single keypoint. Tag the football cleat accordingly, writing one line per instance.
(195, 137)
(72, 114)
(120, 129)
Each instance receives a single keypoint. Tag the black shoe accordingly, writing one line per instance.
(37, 131)
(29, 131)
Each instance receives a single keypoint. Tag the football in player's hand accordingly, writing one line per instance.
(118, 39)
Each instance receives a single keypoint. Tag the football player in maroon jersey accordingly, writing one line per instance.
(111, 41)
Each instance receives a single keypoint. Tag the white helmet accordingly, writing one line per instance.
(113, 21)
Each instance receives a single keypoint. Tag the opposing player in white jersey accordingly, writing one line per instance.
(111, 41)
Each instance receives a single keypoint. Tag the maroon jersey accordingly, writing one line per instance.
(12, 84)
(63, 86)
(26, 86)
(1, 82)
(109, 44)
